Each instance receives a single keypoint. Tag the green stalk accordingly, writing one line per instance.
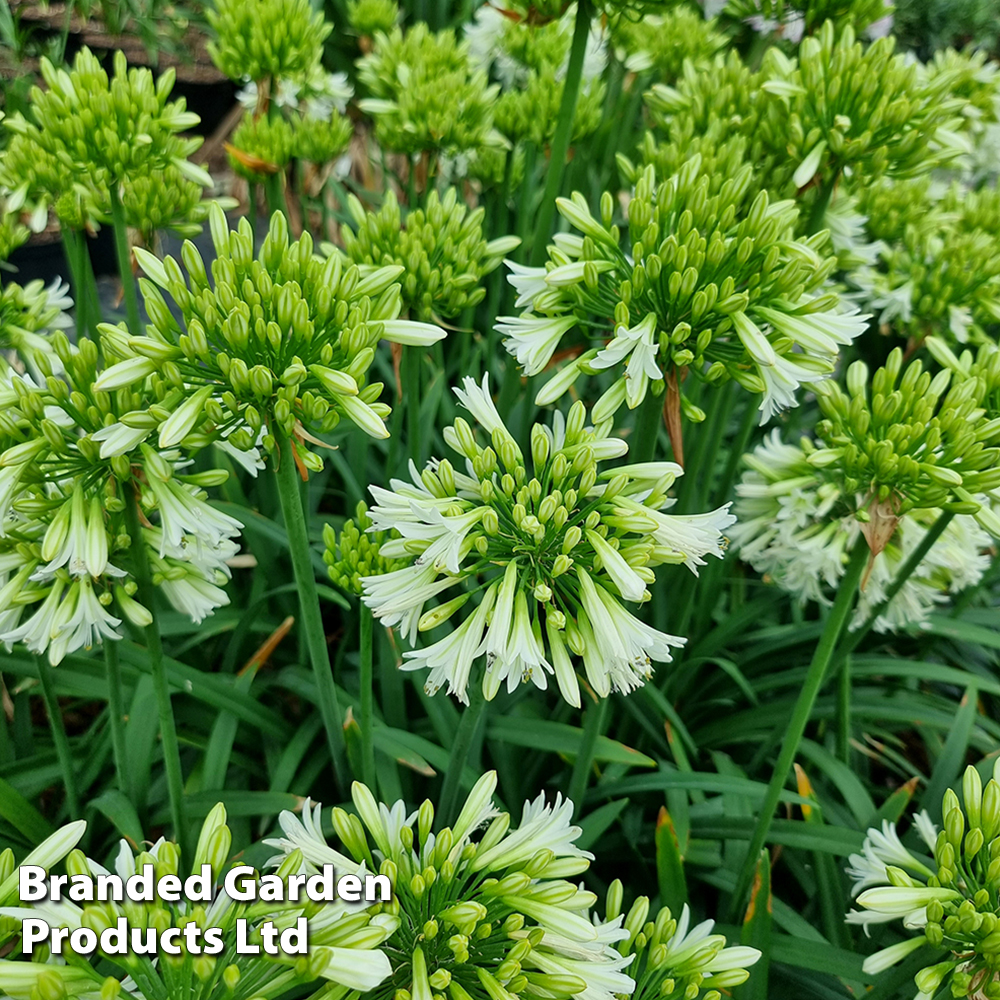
(563, 133)
(842, 606)
(93, 296)
(154, 650)
(71, 248)
(820, 205)
(116, 711)
(124, 255)
(287, 479)
(475, 711)
(908, 568)
(647, 428)
(274, 191)
(367, 699)
(59, 737)
(411, 393)
(593, 724)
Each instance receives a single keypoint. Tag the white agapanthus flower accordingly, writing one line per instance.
(793, 528)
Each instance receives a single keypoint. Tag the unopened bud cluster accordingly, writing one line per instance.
(673, 959)
(482, 914)
(545, 549)
(272, 344)
(355, 552)
(441, 249)
(953, 902)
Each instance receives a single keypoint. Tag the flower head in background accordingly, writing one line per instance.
(544, 550)
(482, 914)
(441, 248)
(266, 40)
(424, 93)
(344, 944)
(356, 552)
(796, 527)
(708, 284)
(662, 43)
(673, 959)
(948, 905)
(28, 315)
(274, 344)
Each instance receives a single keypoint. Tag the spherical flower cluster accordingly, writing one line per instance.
(708, 284)
(481, 915)
(106, 130)
(356, 552)
(663, 42)
(266, 39)
(673, 959)
(549, 551)
(796, 527)
(72, 467)
(344, 945)
(441, 248)
(273, 344)
(266, 145)
(424, 93)
(950, 902)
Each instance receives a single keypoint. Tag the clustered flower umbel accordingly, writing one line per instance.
(549, 551)
(672, 958)
(69, 459)
(356, 552)
(90, 132)
(344, 942)
(441, 247)
(708, 284)
(905, 445)
(273, 344)
(482, 914)
(949, 900)
(28, 314)
(795, 527)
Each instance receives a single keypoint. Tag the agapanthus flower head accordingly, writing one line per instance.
(661, 43)
(947, 903)
(544, 548)
(73, 457)
(107, 129)
(707, 283)
(903, 440)
(344, 944)
(425, 94)
(672, 958)
(356, 552)
(441, 247)
(277, 343)
(369, 16)
(266, 39)
(840, 105)
(481, 913)
(13, 232)
(796, 526)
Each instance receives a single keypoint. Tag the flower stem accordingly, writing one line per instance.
(71, 248)
(367, 699)
(593, 723)
(124, 255)
(821, 204)
(563, 133)
(116, 711)
(475, 711)
(286, 475)
(842, 606)
(908, 568)
(154, 650)
(411, 391)
(59, 737)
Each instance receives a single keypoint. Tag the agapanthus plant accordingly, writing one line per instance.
(28, 314)
(661, 43)
(547, 551)
(706, 283)
(947, 902)
(480, 914)
(440, 246)
(344, 953)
